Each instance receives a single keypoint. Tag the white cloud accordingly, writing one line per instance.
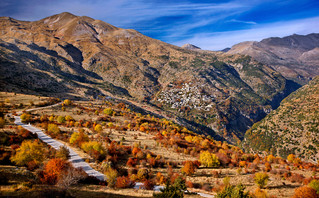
(221, 40)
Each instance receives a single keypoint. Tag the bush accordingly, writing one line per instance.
(261, 179)
(260, 193)
(148, 184)
(95, 149)
(29, 151)
(53, 170)
(98, 128)
(67, 102)
(188, 168)
(63, 153)
(53, 128)
(305, 191)
(291, 158)
(61, 119)
(208, 159)
(315, 185)
(78, 138)
(111, 175)
(142, 174)
(124, 182)
(25, 117)
(108, 111)
(172, 191)
(231, 191)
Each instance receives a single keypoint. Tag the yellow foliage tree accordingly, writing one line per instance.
(53, 128)
(25, 117)
(98, 128)
(208, 159)
(67, 102)
(29, 151)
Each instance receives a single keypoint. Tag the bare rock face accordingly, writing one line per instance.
(295, 57)
(64, 54)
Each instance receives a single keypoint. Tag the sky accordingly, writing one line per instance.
(208, 24)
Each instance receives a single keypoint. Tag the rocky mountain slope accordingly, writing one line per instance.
(217, 93)
(296, 57)
(292, 128)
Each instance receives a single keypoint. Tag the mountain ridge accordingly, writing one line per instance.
(83, 57)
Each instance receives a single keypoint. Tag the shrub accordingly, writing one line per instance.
(93, 148)
(291, 158)
(111, 175)
(53, 128)
(77, 138)
(142, 174)
(98, 128)
(260, 193)
(315, 185)
(271, 158)
(61, 119)
(231, 191)
(131, 162)
(148, 184)
(188, 168)
(305, 191)
(67, 102)
(174, 191)
(63, 153)
(53, 170)
(29, 151)
(267, 167)
(108, 111)
(124, 182)
(261, 179)
(208, 159)
(69, 118)
(25, 117)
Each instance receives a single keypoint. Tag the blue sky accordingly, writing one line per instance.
(211, 25)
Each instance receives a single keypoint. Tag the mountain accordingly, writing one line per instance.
(292, 128)
(190, 47)
(296, 57)
(76, 56)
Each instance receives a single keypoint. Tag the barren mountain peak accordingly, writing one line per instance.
(190, 46)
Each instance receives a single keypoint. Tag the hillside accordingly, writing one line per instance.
(292, 128)
(295, 56)
(70, 56)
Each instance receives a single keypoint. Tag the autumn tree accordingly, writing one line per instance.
(261, 179)
(53, 128)
(98, 128)
(61, 119)
(53, 170)
(208, 159)
(77, 138)
(29, 151)
(25, 117)
(188, 168)
(305, 191)
(108, 111)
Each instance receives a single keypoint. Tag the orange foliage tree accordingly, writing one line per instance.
(53, 170)
(188, 168)
(305, 191)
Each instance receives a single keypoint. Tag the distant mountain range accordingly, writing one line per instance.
(296, 57)
(221, 94)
